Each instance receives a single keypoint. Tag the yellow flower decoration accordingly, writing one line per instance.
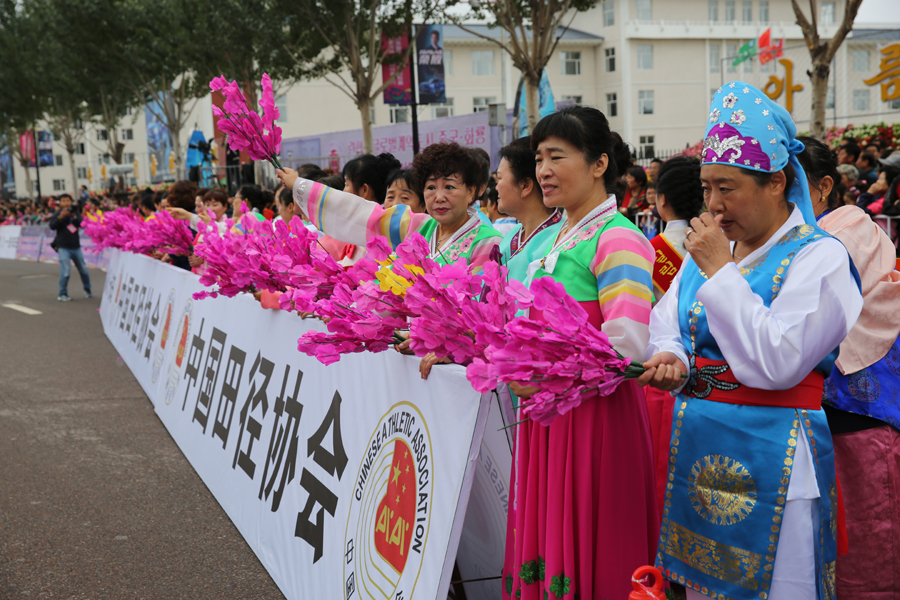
(390, 281)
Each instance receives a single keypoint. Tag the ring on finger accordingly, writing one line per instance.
(688, 231)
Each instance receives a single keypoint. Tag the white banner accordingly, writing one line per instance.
(347, 481)
(9, 240)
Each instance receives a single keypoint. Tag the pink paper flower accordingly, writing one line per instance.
(247, 131)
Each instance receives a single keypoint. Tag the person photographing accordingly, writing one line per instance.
(65, 222)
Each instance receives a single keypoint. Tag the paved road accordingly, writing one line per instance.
(96, 500)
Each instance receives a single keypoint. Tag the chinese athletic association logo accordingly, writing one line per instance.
(181, 339)
(391, 509)
(160, 349)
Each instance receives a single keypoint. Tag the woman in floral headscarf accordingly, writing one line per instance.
(754, 318)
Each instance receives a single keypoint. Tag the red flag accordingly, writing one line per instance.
(774, 51)
(778, 48)
(765, 40)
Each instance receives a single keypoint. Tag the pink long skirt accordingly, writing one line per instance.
(868, 465)
(584, 515)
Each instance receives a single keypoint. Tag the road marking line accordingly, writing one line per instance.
(22, 309)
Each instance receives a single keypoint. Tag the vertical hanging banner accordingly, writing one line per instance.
(430, 61)
(159, 143)
(400, 91)
(347, 481)
(45, 148)
(7, 172)
(26, 143)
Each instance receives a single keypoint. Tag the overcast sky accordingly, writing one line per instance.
(885, 12)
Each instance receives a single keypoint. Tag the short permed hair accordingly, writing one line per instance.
(445, 159)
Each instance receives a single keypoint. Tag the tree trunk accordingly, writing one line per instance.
(176, 147)
(74, 172)
(532, 102)
(819, 77)
(365, 112)
(31, 188)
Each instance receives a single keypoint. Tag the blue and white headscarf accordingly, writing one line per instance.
(748, 130)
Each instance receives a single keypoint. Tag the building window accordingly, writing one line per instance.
(372, 114)
(399, 114)
(482, 62)
(129, 111)
(860, 100)
(105, 159)
(861, 60)
(572, 99)
(729, 11)
(81, 172)
(894, 104)
(481, 103)
(612, 105)
(713, 10)
(829, 98)
(747, 12)
(609, 13)
(448, 62)
(128, 158)
(78, 124)
(646, 146)
(57, 160)
(281, 105)
(79, 148)
(570, 63)
(730, 54)
(644, 10)
(442, 110)
(827, 16)
(714, 61)
(102, 136)
(645, 102)
(645, 56)
(127, 134)
(610, 58)
(59, 185)
(764, 11)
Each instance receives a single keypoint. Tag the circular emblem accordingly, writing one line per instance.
(163, 336)
(387, 527)
(181, 339)
(864, 386)
(721, 490)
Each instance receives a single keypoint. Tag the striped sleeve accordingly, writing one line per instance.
(481, 253)
(352, 219)
(623, 266)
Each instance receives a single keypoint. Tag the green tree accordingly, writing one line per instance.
(350, 55)
(533, 29)
(822, 52)
(90, 34)
(23, 98)
(171, 58)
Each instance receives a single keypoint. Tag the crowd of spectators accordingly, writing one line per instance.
(870, 175)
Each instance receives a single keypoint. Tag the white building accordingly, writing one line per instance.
(649, 65)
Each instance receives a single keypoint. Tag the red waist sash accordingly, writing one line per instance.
(720, 385)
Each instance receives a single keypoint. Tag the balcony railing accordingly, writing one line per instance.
(719, 29)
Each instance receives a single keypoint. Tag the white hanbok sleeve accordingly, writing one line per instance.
(776, 347)
(665, 333)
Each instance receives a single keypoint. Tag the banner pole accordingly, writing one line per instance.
(37, 161)
(415, 90)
